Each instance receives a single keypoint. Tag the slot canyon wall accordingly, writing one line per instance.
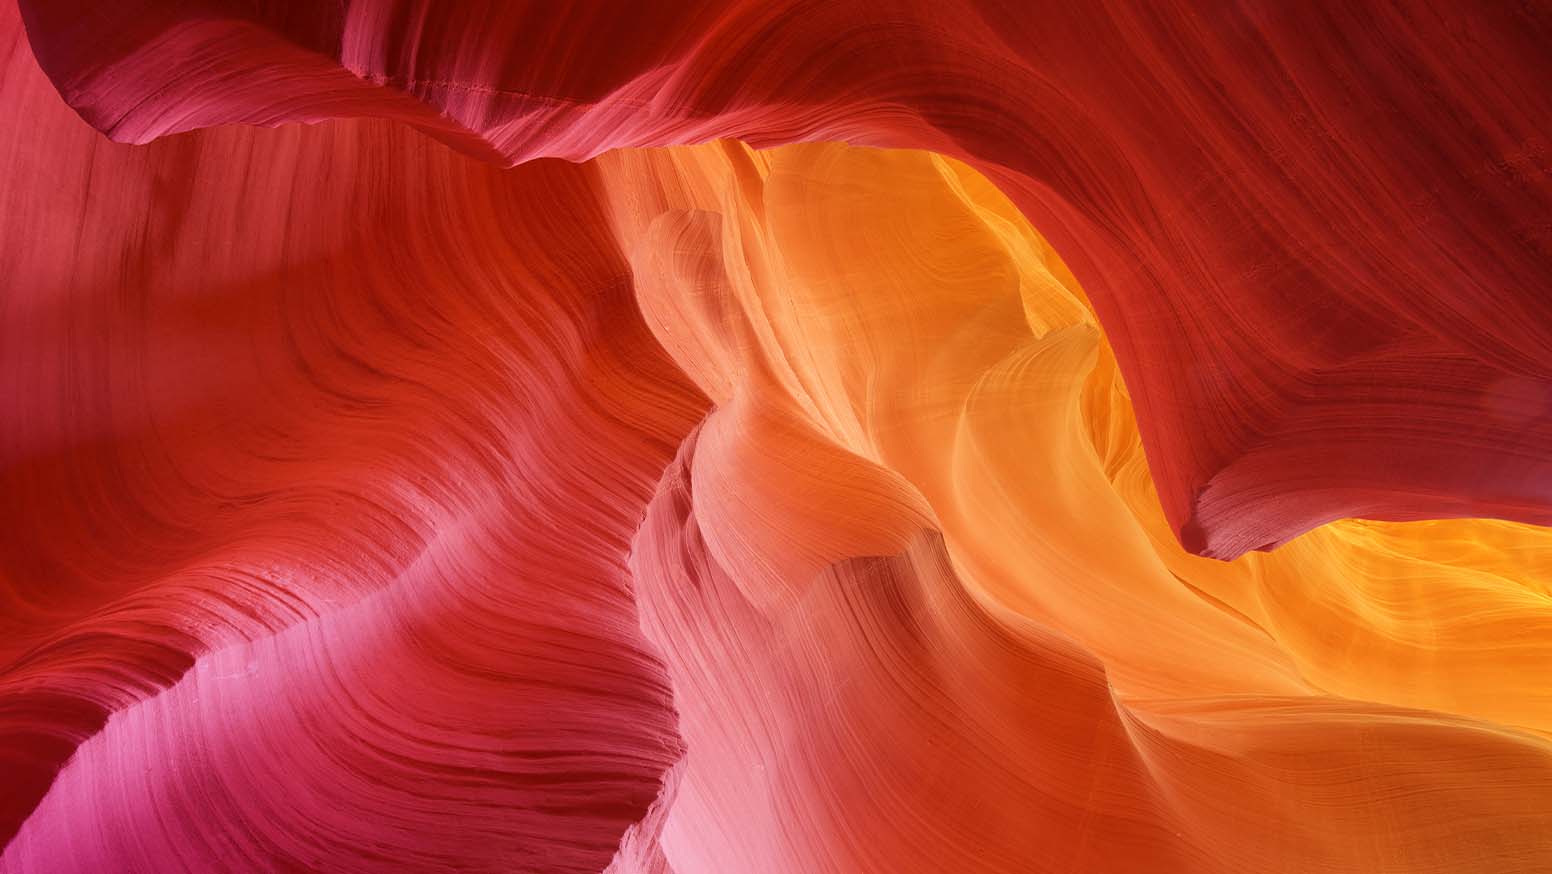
(684, 438)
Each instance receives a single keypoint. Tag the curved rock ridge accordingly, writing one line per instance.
(322, 453)
(1316, 236)
(365, 506)
(1030, 673)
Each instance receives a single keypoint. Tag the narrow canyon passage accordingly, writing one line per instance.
(668, 439)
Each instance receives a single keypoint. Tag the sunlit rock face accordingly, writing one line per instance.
(763, 492)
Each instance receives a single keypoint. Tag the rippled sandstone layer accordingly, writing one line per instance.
(369, 507)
